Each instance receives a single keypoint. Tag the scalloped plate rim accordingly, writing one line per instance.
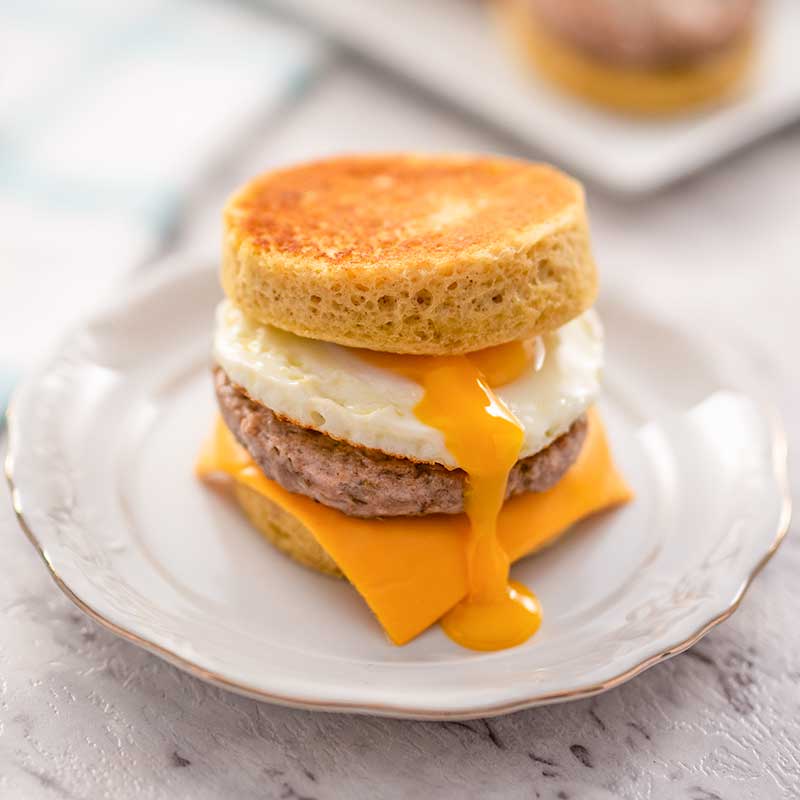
(387, 708)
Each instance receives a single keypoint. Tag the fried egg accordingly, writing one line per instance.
(333, 389)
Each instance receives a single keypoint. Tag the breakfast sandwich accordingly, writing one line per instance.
(641, 56)
(406, 366)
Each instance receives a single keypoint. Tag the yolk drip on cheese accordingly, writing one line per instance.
(485, 439)
(411, 570)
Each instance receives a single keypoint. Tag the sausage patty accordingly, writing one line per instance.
(649, 32)
(368, 483)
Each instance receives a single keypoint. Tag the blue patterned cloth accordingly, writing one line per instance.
(111, 115)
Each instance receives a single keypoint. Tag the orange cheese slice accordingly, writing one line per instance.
(411, 570)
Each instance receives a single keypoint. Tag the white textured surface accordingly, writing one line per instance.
(85, 715)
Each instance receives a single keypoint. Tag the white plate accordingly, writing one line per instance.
(451, 47)
(102, 441)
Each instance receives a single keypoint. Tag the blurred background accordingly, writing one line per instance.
(125, 126)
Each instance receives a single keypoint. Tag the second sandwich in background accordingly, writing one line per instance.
(637, 56)
(406, 367)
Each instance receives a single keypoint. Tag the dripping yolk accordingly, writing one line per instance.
(506, 362)
(485, 439)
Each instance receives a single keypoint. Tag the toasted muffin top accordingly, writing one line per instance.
(410, 253)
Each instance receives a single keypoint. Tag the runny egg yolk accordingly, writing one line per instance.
(485, 439)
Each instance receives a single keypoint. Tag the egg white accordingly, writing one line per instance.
(329, 388)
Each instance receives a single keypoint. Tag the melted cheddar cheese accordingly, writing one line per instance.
(412, 570)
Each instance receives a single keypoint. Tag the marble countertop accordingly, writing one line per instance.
(84, 714)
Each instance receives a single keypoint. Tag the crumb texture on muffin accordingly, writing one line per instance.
(410, 253)
(285, 531)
